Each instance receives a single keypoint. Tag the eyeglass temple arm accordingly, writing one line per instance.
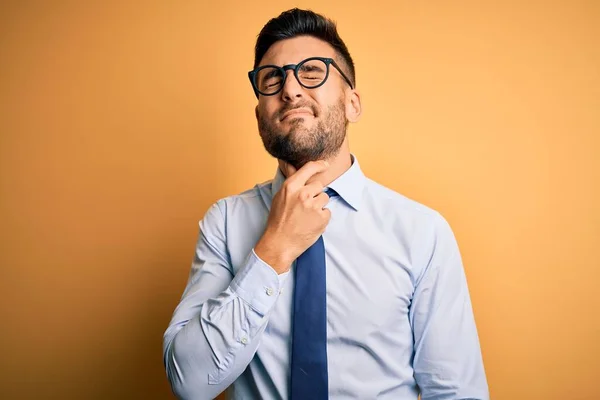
(343, 74)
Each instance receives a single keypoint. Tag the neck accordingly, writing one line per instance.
(338, 164)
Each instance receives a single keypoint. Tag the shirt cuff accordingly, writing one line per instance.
(258, 284)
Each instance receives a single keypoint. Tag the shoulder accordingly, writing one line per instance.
(404, 217)
(423, 231)
(394, 202)
(249, 200)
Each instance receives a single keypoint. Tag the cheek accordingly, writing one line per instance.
(327, 100)
(266, 109)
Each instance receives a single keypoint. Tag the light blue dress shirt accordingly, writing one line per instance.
(400, 320)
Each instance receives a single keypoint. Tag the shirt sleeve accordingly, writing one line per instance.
(447, 358)
(216, 328)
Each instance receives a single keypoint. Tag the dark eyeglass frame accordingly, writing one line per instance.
(295, 67)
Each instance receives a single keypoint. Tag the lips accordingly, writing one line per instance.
(296, 111)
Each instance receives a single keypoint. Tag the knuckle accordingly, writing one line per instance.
(304, 195)
(288, 187)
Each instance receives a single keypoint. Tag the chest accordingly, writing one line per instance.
(369, 286)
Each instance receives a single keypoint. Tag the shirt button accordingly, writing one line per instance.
(244, 340)
(280, 291)
(270, 291)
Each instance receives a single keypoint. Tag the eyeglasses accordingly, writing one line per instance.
(311, 73)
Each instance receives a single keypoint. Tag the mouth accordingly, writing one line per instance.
(298, 112)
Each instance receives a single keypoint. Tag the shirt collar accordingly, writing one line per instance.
(349, 185)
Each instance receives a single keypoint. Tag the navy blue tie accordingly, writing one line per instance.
(309, 330)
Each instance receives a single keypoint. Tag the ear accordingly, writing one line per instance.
(256, 112)
(353, 106)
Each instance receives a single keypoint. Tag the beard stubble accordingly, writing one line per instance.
(301, 145)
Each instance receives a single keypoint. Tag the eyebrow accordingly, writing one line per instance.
(272, 73)
(307, 67)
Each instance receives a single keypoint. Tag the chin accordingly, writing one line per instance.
(300, 122)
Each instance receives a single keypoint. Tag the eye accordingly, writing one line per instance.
(312, 72)
(269, 78)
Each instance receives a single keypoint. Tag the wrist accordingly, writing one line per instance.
(273, 253)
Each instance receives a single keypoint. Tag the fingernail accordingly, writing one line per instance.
(326, 163)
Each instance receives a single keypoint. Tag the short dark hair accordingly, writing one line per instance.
(296, 22)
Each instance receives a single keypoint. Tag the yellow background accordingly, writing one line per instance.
(120, 123)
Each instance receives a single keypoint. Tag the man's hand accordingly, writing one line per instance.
(297, 217)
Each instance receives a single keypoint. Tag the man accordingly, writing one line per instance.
(321, 283)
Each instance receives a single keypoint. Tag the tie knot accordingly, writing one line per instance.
(330, 192)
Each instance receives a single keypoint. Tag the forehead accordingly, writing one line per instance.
(292, 51)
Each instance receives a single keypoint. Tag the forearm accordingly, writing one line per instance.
(209, 352)
(210, 342)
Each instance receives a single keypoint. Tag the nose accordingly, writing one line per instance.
(292, 90)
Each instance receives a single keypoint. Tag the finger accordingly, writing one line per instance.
(309, 169)
(314, 178)
(326, 212)
(321, 200)
(313, 189)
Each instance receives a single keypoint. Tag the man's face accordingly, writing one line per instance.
(298, 125)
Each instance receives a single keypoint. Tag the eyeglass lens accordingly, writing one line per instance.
(310, 74)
